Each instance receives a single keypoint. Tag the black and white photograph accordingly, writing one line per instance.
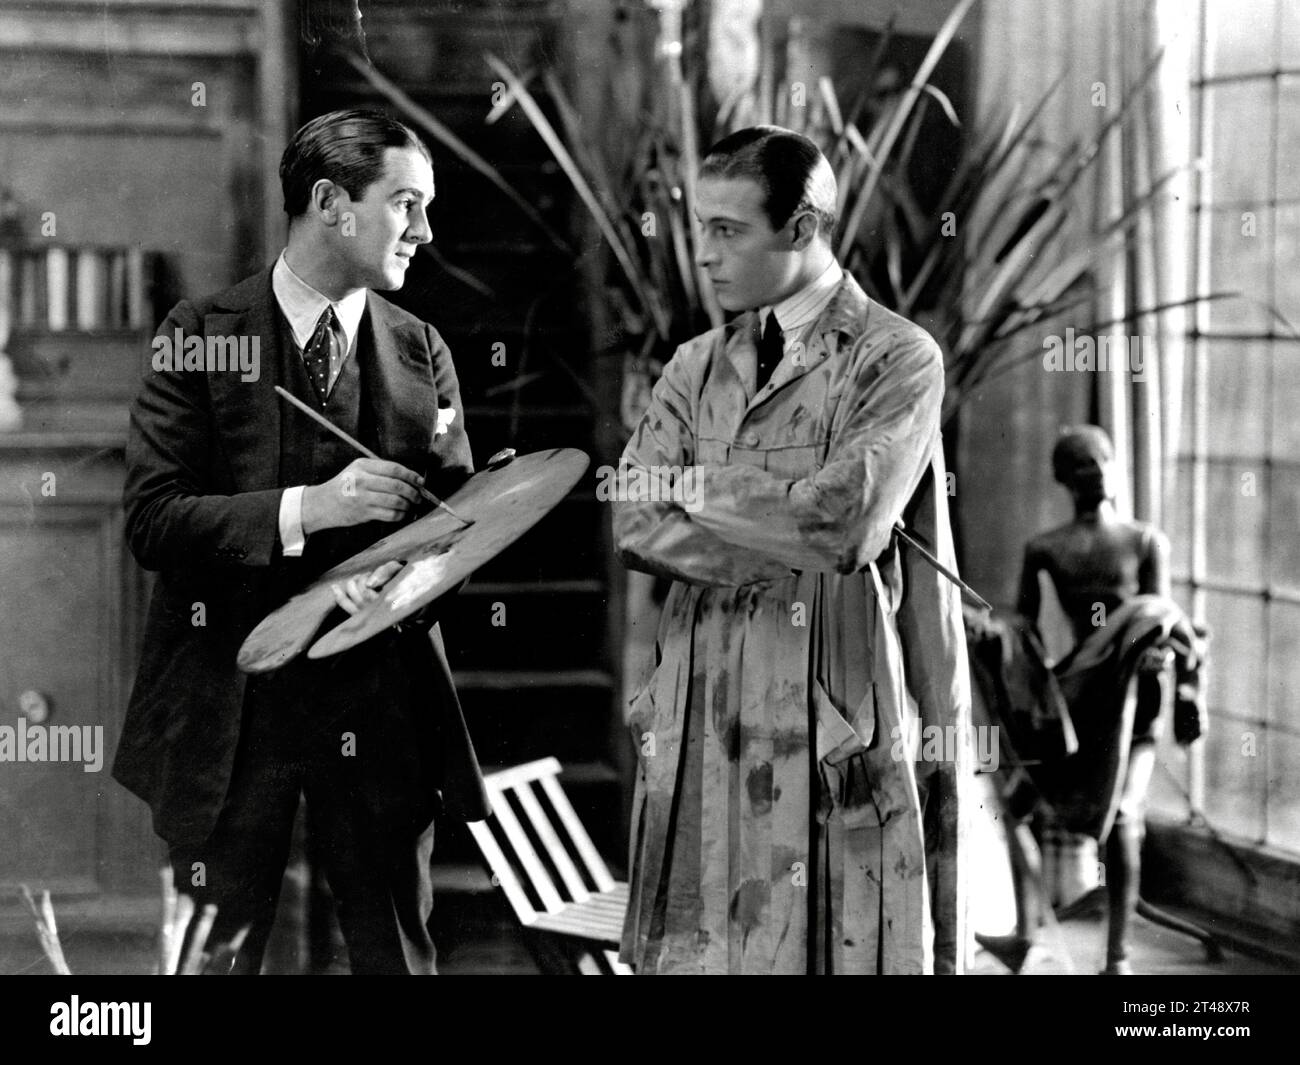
(651, 487)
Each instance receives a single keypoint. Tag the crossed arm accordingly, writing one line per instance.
(752, 525)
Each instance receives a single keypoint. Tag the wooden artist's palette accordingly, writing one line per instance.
(439, 552)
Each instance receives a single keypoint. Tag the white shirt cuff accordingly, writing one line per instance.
(292, 538)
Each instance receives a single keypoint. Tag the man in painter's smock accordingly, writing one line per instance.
(781, 823)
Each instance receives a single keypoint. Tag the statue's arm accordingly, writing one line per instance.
(1027, 605)
(1153, 573)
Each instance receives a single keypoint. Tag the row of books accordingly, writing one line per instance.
(62, 288)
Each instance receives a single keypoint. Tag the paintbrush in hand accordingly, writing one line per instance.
(320, 419)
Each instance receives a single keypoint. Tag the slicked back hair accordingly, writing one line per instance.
(787, 166)
(347, 147)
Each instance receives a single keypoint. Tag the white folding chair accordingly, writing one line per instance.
(566, 890)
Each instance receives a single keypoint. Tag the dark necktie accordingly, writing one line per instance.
(770, 350)
(325, 340)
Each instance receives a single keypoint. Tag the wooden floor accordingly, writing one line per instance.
(475, 938)
(1078, 947)
(469, 944)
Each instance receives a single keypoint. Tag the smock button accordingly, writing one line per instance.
(751, 440)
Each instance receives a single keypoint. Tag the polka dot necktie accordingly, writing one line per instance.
(322, 351)
(771, 349)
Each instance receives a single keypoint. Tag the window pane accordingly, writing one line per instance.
(1284, 529)
(1284, 654)
(1234, 534)
(1286, 399)
(1288, 38)
(1239, 34)
(1234, 779)
(1236, 378)
(1286, 280)
(1178, 520)
(1283, 755)
(1241, 135)
(1235, 657)
(1240, 255)
(1288, 139)
(1187, 412)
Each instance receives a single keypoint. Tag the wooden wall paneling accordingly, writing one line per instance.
(99, 125)
(63, 595)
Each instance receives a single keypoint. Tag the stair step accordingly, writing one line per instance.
(470, 91)
(540, 632)
(514, 725)
(460, 878)
(458, 308)
(511, 331)
(530, 680)
(575, 773)
(490, 412)
(469, 250)
(564, 545)
(528, 412)
(500, 588)
(450, 44)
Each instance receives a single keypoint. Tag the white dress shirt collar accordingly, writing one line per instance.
(303, 305)
(804, 307)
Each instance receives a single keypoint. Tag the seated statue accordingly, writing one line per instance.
(1088, 749)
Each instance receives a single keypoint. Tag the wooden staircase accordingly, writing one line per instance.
(531, 638)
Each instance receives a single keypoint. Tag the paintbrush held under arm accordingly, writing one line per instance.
(357, 445)
(944, 570)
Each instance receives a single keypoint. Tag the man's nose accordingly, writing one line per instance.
(420, 231)
(706, 254)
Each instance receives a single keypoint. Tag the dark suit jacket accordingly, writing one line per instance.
(202, 498)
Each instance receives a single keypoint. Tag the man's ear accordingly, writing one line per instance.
(325, 199)
(805, 230)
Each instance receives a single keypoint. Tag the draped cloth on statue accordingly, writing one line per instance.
(780, 824)
(1098, 681)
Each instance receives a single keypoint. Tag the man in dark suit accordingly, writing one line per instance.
(238, 501)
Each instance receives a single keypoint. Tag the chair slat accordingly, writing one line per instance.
(586, 849)
(586, 919)
(546, 832)
(505, 875)
(617, 967)
(608, 931)
(513, 776)
(537, 875)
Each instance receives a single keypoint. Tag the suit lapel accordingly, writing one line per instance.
(247, 413)
(846, 307)
(399, 384)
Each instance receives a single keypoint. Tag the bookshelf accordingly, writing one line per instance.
(77, 320)
(62, 287)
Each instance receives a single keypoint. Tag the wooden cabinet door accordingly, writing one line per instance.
(70, 603)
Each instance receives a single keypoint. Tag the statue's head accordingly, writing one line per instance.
(1083, 460)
